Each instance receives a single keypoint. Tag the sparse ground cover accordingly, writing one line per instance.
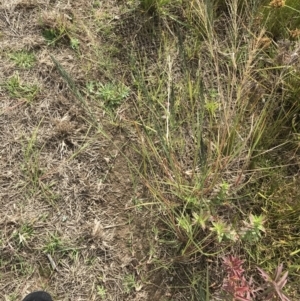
(149, 149)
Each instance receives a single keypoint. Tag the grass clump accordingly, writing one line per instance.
(58, 27)
(23, 59)
(23, 234)
(211, 122)
(17, 89)
(32, 165)
(55, 244)
(130, 284)
(193, 170)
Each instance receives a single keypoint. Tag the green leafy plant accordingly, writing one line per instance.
(223, 191)
(201, 218)
(111, 94)
(53, 35)
(212, 107)
(74, 43)
(223, 230)
(101, 292)
(253, 228)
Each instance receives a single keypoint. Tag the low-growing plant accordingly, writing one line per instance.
(53, 35)
(23, 234)
(17, 89)
(112, 94)
(53, 245)
(253, 228)
(223, 231)
(237, 288)
(129, 283)
(101, 292)
(272, 288)
(250, 231)
(22, 59)
(74, 43)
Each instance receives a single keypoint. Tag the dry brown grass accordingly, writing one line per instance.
(64, 187)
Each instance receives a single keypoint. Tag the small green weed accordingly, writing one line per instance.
(53, 35)
(223, 230)
(253, 228)
(23, 234)
(212, 107)
(17, 89)
(23, 59)
(112, 94)
(54, 244)
(74, 43)
(101, 292)
(129, 283)
(223, 192)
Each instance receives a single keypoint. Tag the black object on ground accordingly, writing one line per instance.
(38, 296)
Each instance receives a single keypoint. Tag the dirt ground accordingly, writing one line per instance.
(67, 218)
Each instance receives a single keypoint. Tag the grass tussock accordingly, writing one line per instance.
(215, 129)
